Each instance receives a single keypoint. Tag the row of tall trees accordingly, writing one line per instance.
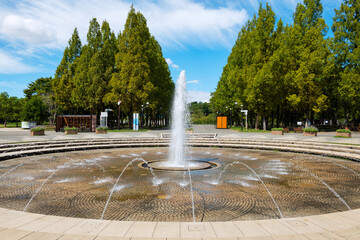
(288, 73)
(129, 67)
(93, 77)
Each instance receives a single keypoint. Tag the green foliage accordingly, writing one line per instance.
(343, 131)
(70, 128)
(130, 67)
(63, 83)
(346, 47)
(277, 129)
(310, 129)
(10, 108)
(290, 73)
(41, 86)
(201, 113)
(37, 129)
(35, 110)
(102, 128)
(141, 73)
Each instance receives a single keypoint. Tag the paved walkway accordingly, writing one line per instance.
(10, 135)
(15, 225)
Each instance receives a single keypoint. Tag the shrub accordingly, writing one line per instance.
(102, 128)
(343, 131)
(310, 129)
(37, 129)
(277, 129)
(70, 128)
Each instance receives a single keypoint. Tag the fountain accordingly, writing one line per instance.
(178, 156)
(218, 182)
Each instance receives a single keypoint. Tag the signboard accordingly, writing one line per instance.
(245, 111)
(136, 121)
(221, 122)
(28, 125)
(103, 119)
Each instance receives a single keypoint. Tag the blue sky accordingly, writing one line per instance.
(195, 35)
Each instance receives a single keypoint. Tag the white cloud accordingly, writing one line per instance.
(12, 65)
(198, 96)
(29, 30)
(193, 81)
(171, 63)
(49, 23)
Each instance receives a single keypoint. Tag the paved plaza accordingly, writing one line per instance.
(16, 225)
(11, 135)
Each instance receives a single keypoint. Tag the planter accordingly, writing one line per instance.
(310, 134)
(101, 131)
(189, 131)
(277, 132)
(71, 131)
(37, 133)
(339, 134)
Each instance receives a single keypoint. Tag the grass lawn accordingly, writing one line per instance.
(238, 129)
(10, 125)
(126, 130)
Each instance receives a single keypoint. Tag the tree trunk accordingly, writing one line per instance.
(257, 122)
(5, 122)
(130, 120)
(264, 123)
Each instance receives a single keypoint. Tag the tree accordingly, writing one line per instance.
(311, 52)
(35, 110)
(5, 107)
(346, 28)
(63, 83)
(141, 73)
(41, 86)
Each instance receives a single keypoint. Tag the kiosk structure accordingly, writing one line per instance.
(84, 123)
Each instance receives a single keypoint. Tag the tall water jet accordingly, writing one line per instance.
(178, 159)
(178, 137)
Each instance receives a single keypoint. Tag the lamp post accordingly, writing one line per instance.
(119, 103)
(142, 113)
(236, 113)
(241, 117)
(230, 118)
(142, 116)
(227, 116)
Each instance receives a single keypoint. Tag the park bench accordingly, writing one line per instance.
(298, 130)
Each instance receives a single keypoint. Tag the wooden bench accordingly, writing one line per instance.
(298, 130)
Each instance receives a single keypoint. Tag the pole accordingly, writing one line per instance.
(246, 123)
(119, 119)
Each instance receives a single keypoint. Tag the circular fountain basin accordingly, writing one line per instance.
(190, 165)
(78, 184)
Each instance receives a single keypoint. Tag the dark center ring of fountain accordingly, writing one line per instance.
(192, 165)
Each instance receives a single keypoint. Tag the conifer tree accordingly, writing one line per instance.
(140, 70)
(346, 28)
(309, 55)
(63, 83)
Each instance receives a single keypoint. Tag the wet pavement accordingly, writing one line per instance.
(248, 185)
